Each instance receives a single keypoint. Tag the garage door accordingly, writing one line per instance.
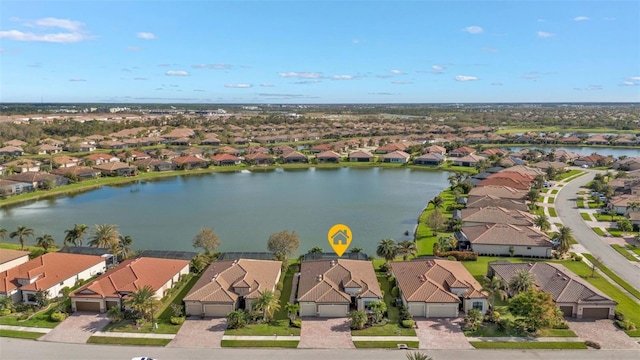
(87, 306)
(111, 304)
(307, 309)
(332, 310)
(595, 313)
(416, 309)
(194, 309)
(442, 310)
(567, 311)
(217, 310)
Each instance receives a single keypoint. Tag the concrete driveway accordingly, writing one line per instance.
(441, 333)
(77, 328)
(321, 333)
(604, 332)
(200, 333)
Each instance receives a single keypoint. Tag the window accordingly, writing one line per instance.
(477, 305)
(528, 247)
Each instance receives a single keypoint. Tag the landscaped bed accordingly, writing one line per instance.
(384, 344)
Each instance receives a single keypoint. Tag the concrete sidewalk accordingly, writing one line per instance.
(133, 335)
(262, 338)
(25, 329)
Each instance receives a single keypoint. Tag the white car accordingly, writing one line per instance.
(143, 358)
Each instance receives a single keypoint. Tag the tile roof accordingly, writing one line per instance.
(504, 192)
(563, 285)
(497, 215)
(506, 234)
(433, 280)
(490, 200)
(396, 155)
(328, 154)
(131, 275)
(324, 281)
(514, 180)
(7, 255)
(49, 269)
(218, 281)
(360, 154)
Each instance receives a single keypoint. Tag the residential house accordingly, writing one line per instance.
(436, 149)
(438, 288)
(101, 158)
(229, 285)
(331, 288)
(360, 156)
(259, 159)
(114, 287)
(80, 172)
(628, 164)
(565, 156)
(112, 144)
(225, 159)
(294, 157)
(573, 295)
(16, 143)
(10, 188)
(39, 179)
(493, 215)
(462, 151)
(165, 154)
(321, 148)
(182, 141)
(559, 166)
(210, 140)
(48, 149)
(593, 160)
(597, 139)
(12, 258)
(23, 165)
(505, 240)
(133, 155)
(116, 169)
(65, 161)
(50, 273)
(573, 140)
(11, 151)
(154, 165)
(199, 153)
(389, 148)
(493, 151)
(189, 162)
(620, 203)
(503, 192)
(490, 200)
(282, 149)
(328, 156)
(179, 133)
(514, 180)
(431, 158)
(228, 150)
(397, 157)
(467, 160)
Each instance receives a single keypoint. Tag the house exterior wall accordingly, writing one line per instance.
(13, 263)
(363, 302)
(56, 289)
(467, 305)
(525, 251)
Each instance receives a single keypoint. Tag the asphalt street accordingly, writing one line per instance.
(17, 349)
(568, 212)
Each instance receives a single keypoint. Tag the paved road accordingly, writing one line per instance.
(568, 212)
(14, 349)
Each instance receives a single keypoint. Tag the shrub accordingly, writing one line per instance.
(297, 323)
(562, 326)
(395, 292)
(5, 312)
(177, 320)
(577, 258)
(592, 344)
(451, 258)
(404, 314)
(409, 324)
(619, 316)
(459, 255)
(493, 316)
(626, 324)
(392, 281)
(503, 325)
(57, 316)
(384, 268)
(23, 317)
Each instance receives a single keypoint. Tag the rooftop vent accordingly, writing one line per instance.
(319, 278)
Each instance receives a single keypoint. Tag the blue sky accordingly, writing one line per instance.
(319, 51)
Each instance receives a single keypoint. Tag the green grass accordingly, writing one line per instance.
(527, 345)
(40, 319)
(17, 246)
(384, 344)
(424, 235)
(580, 203)
(594, 205)
(20, 334)
(540, 199)
(556, 333)
(586, 216)
(260, 343)
(551, 200)
(127, 341)
(567, 174)
(554, 191)
(162, 314)
(633, 291)
(552, 211)
(614, 232)
(599, 231)
(606, 217)
(624, 252)
(634, 248)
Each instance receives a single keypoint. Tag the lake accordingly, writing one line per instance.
(582, 150)
(245, 207)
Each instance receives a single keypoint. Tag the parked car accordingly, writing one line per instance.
(143, 358)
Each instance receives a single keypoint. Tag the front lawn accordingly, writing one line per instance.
(573, 345)
(424, 237)
(614, 232)
(556, 333)
(127, 341)
(580, 203)
(624, 252)
(260, 343)
(551, 200)
(552, 212)
(607, 217)
(40, 319)
(633, 291)
(599, 231)
(20, 334)
(384, 344)
(554, 191)
(568, 174)
(586, 216)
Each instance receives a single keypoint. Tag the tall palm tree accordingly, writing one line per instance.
(124, 245)
(267, 304)
(292, 310)
(20, 233)
(387, 249)
(521, 282)
(542, 222)
(565, 238)
(407, 248)
(75, 236)
(495, 288)
(46, 242)
(378, 308)
(356, 250)
(437, 202)
(143, 301)
(104, 235)
(418, 356)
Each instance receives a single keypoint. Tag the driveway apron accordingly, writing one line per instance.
(604, 332)
(441, 333)
(200, 333)
(77, 328)
(322, 333)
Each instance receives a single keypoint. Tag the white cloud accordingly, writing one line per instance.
(139, 78)
(267, 85)
(594, 87)
(238, 86)
(397, 72)
(356, 41)
(474, 29)
(402, 82)
(300, 75)
(466, 78)
(531, 76)
(212, 66)
(581, 18)
(62, 38)
(342, 77)
(77, 79)
(306, 82)
(438, 67)
(59, 23)
(134, 48)
(146, 35)
(628, 83)
(544, 34)
(177, 73)
(636, 78)
(497, 84)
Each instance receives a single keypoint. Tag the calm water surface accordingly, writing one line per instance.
(584, 150)
(245, 208)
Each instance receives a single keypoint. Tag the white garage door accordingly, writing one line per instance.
(416, 309)
(193, 309)
(442, 310)
(332, 310)
(307, 309)
(217, 310)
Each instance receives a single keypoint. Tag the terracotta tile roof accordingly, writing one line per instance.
(497, 215)
(258, 156)
(225, 157)
(49, 269)
(471, 158)
(506, 234)
(328, 154)
(436, 149)
(112, 166)
(360, 154)
(100, 156)
(396, 155)
(293, 155)
(218, 281)
(563, 285)
(514, 180)
(324, 281)
(491, 200)
(433, 280)
(189, 159)
(7, 255)
(131, 275)
(504, 192)
(523, 170)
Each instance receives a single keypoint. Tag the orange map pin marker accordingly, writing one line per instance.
(339, 237)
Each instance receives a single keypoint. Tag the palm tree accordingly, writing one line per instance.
(437, 203)
(124, 245)
(315, 249)
(143, 300)
(356, 250)
(75, 236)
(407, 248)
(378, 308)
(46, 242)
(633, 206)
(267, 303)
(565, 238)
(495, 288)
(521, 282)
(3, 233)
(542, 221)
(532, 196)
(20, 233)
(358, 319)
(104, 235)
(387, 249)
(292, 310)
(418, 356)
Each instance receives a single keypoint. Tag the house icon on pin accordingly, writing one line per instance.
(340, 237)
